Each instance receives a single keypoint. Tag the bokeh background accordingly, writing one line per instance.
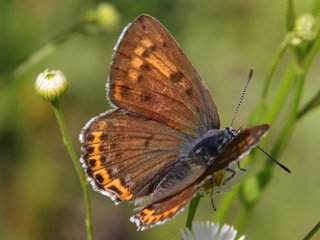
(40, 194)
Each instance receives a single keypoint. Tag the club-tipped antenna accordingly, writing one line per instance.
(282, 166)
(243, 92)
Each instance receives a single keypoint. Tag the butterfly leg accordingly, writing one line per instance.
(242, 169)
(211, 195)
(233, 173)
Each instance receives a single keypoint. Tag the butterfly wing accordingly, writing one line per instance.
(127, 155)
(161, 211)
(238, 147)
(151, 76)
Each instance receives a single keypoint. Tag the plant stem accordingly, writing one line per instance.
(75, 160)
(313, 103)
(192, 210)
(274, 62)
(225, 205)
(315, 9)
(282, 93)
(312, 232)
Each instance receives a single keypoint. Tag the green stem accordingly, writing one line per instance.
(274, 62)
(315, 8)
(312, 232)
(192, 210)
(75, 160)
(225, 205)
(313, 103)
(242, 217)
(282, 93)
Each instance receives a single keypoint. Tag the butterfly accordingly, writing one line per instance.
(162, 140)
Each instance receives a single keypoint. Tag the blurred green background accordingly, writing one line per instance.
(40, 194)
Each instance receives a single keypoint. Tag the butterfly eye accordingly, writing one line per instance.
(222, 142)
(199, 151)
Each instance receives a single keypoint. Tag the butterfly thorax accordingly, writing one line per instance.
(211, 144)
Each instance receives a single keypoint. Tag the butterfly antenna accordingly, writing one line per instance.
(282, 166)
(244, 91)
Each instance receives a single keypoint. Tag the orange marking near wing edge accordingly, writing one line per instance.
(97, 136)
(97, 163)
(148, 217)
(116, 183)
(102, 172)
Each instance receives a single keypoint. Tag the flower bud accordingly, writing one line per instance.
(105, 15)
(51, 85)
(294, 39)
(307, 27)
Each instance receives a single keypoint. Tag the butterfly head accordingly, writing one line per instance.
(212, 143)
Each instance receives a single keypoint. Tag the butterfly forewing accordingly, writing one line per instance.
(151, 76)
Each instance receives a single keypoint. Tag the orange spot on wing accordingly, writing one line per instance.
(136, 62)
(146, 42)
(147, 215)
(133, 75)
(96, 161)
(97, 136)
(106, 177)
(161, 65)
(162, 57)
(139, 50)
(122, 192)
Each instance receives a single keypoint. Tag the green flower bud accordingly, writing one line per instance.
(307, 27)
(294, 39)
(51, 85)
(105, 15)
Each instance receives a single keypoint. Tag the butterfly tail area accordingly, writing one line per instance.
(164, 210)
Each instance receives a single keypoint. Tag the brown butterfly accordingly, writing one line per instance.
(162, 139)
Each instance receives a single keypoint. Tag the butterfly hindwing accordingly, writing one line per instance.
(151, 76)
(161, 211)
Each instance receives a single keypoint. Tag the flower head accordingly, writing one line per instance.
(307, 27)
(207, 231)
(104, 15)
(51, 85)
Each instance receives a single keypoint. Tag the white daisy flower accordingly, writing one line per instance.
(207, 231)
(51, 85)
